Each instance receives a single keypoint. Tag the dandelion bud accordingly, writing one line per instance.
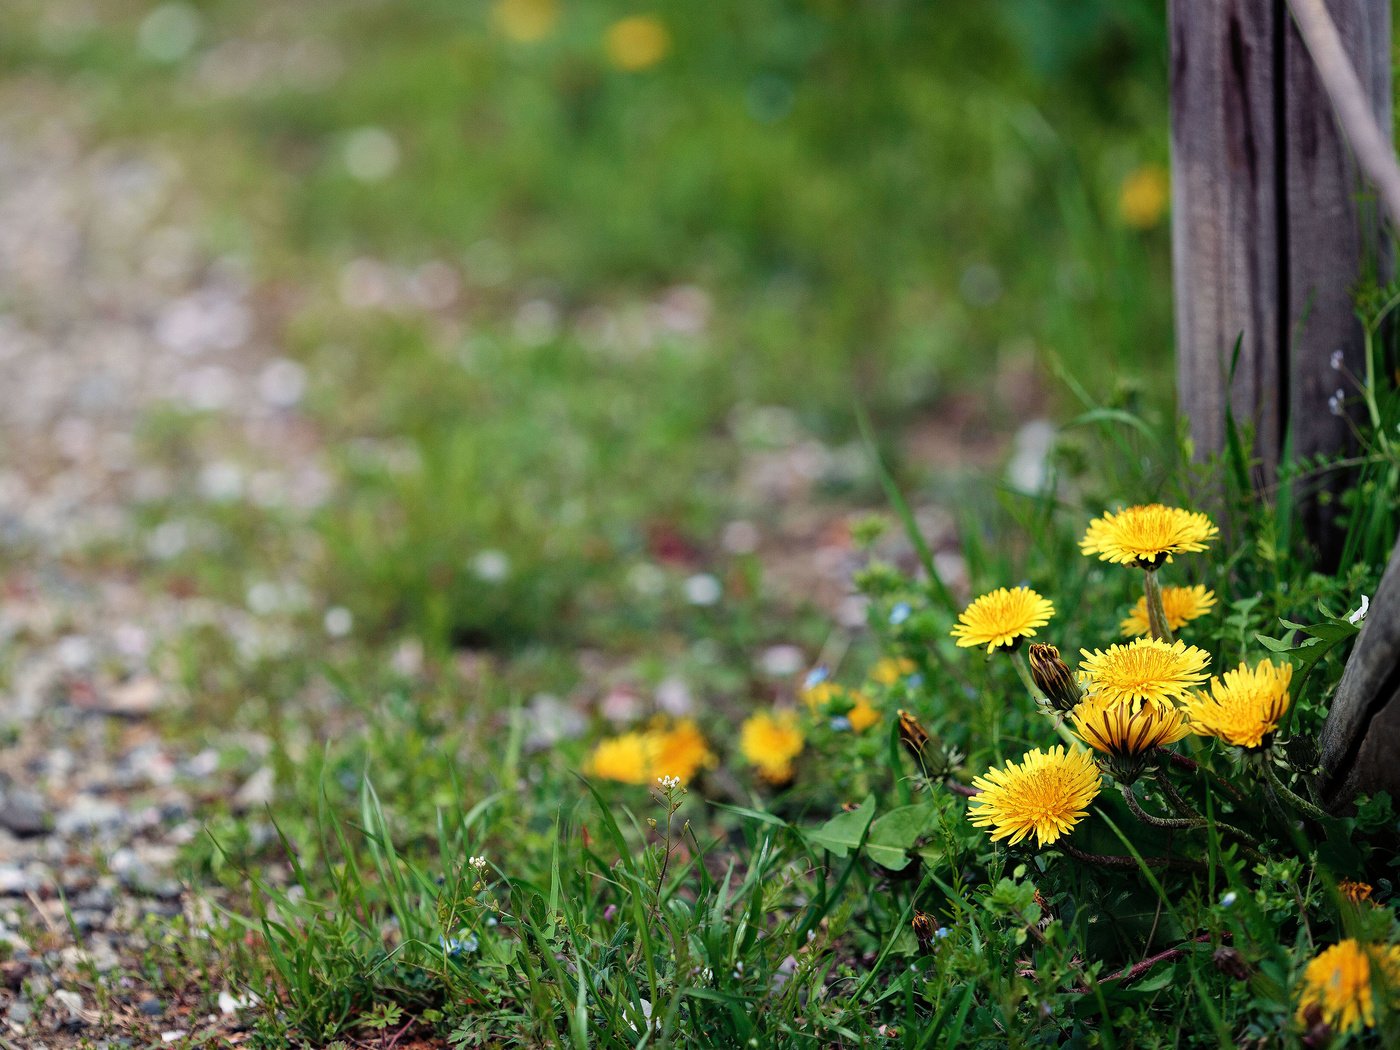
(934, 760)
(925, 929)
(914, 736)
(1231, 963)
(1053, 677)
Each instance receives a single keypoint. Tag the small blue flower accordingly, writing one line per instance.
(900, 613)
(1228, 899)
(816, 676)
(841, 724)
(942, 932)
(455, 947)
(916, 679)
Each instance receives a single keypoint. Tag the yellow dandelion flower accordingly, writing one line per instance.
(889, 671)
(1182, 605)
(1126, 729)
(627, 758)
(1048, 792)
(1143, 196)
(830, 698)
(680, 751)
(1143, 669)
(638, 42)
(819, 694)
(1000, 619)
(1354, 891)
(1338, 984)
(526, 21)
(1147, 536)
(1245, 705)
(769, 741)
(863, 715)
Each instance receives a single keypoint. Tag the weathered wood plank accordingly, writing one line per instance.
(1225, 217)
(1348, 54)
(1332, 234)
(1360, 742)
(1270, 228)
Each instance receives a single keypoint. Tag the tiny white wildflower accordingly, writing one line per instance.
(490, 566)
(1334, 403)
(1227, 899)
(338, 621)
(703, 589)
(478, 863)
(1336, 360)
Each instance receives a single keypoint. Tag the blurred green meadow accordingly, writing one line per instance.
(590, 300)
(556, 265)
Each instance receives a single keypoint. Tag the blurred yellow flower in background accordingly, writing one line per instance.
(627, 758)
(769, 741)
(680, 751)
(1182, 605)
(526, 21)
(820, 694)
(863, 715)
(639, 757)
(637, 43)
(891, 670)
(826, 697)
(1143, 197)
(1337, 984)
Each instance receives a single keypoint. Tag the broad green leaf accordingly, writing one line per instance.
(893, 834)
(845, 831)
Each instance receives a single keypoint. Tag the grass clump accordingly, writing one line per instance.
(924, 844)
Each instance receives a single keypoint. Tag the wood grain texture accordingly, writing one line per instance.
(1270, 228)
(1360, 742)
(1225, 216)
(1333, 233)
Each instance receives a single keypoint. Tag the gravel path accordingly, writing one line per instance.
(110, 311)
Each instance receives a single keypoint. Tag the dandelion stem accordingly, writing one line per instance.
(1150, 819)
(1023, 669)
(1113, 860)
(1175, 797)
(1288, 794)
(1184, 762)
(960, 789)
(1157, 625)
(1185, 808)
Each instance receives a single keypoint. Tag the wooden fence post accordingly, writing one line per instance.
(1269, 236)
(1269, 229)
